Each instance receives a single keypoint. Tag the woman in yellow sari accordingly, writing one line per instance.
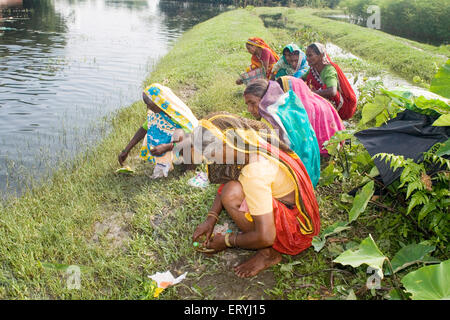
(264, 188)
(168, 119)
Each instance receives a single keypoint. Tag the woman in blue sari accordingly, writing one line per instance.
(285, 113)
(292, 63)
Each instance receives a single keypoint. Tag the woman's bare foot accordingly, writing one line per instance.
(262, 260)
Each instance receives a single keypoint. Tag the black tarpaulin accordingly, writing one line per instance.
(410, 134)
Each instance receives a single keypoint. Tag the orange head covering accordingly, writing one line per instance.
(255, 62)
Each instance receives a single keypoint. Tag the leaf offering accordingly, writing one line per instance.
(126, 169)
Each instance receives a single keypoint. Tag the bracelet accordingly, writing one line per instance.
(124, 151)
(213, 215)
(235, 238)
(227, 240)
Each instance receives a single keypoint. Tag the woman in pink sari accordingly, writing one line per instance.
(323, 116)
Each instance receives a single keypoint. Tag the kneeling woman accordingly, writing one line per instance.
(168, 118)
(265, 190)
(327, 80)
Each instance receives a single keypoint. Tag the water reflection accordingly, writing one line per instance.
(67, 63)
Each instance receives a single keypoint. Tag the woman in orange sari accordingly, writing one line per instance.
(263, 56)
(264, 188)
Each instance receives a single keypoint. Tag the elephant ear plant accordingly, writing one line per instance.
(426, 283)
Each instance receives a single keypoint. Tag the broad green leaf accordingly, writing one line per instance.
(442, 121)
(429, 282)
(319, 241)
(432, 106)
(409, 255)
(444, 149)
(441, 82)
(367, 253)
(370, 112)
(361, 201)
(381, 119)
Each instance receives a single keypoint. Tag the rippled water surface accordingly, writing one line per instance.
(64, 64)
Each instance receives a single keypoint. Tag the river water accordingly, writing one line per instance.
(65, 64)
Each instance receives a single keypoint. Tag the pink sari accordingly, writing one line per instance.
(323, 116)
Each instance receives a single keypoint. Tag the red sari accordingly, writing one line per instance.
(345, 100)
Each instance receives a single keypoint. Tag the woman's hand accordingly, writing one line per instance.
(217, 243)
(204, 229)
(160, 149)
(122, 157)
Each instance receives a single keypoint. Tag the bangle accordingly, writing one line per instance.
(235, 238)
(227, 240)
(124, 151)
(211, 213)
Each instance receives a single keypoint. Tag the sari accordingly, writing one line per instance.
(295, 225)
(323, 116)
(256, 61)
(345, 100)
(285, 112)
(283, 68)
(161, 126)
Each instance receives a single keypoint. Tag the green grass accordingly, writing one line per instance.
(404, 57)
(121, 228)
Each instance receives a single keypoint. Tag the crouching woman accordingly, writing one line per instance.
(264, 188)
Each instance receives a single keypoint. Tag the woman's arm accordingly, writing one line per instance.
(160, 149)
(207, 227)
(138, 136)
(327, 93)
(262, 236)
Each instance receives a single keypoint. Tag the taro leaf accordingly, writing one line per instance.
(409, 255)
(432, 106)
(442, 121)
(367, 253)
(361, 201)
(444, 149)
(370, 112)
(441, 82)
(319, 241)
(429, 283)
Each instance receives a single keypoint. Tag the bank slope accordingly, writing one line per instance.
(119, 229)
(403, 57)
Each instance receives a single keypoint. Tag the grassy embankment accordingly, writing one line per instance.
(119, 229)
(404, 57)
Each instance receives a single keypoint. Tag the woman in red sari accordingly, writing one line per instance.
(327, 80)
(263, 56)
(264, 188)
